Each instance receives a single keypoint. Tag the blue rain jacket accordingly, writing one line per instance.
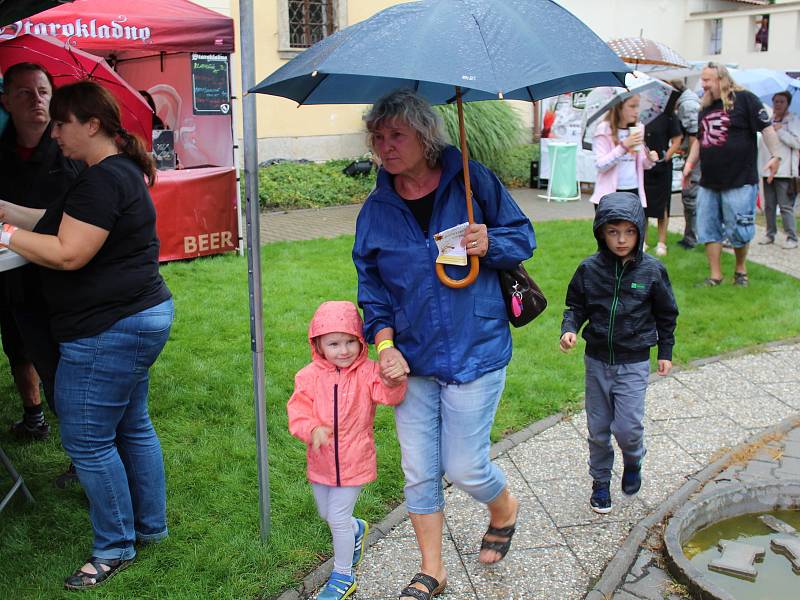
(456, 335)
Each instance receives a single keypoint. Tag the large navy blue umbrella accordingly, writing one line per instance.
(447, 50)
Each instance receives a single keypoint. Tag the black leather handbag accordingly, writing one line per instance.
(524, 299)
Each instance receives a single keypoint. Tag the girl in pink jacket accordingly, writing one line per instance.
(619, 152)
(332, 411)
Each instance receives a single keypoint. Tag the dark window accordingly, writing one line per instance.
(762, 33)
(310, 21)
(715, 36)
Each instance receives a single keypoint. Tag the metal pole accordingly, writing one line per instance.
(250, 142)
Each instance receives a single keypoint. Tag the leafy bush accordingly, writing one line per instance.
(492, 127)
(287, 186)
(513, 166)
(311, 185)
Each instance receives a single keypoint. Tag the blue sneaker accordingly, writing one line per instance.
(632, 479)
(339, 586)
(601, 497)
(361, 541)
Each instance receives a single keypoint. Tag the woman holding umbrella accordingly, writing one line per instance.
(111, 313)
(454, 343)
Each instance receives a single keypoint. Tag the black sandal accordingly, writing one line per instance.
(500, 547)
(81, 580)
(434, 587)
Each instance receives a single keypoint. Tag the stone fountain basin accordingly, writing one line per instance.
(707, 509)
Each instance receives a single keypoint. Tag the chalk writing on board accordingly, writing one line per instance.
(210, 84)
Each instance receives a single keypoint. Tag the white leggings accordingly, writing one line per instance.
(335, 505)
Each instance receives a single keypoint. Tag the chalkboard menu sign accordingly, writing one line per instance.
(210, 90)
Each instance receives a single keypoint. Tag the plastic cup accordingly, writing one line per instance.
(633, 130)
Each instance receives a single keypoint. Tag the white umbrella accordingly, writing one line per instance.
(654, 95)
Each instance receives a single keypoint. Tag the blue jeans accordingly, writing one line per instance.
(101, 398)
(444, 428)
(614, 405)
(727, 214)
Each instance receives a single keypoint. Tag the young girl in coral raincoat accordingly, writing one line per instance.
(332, 411)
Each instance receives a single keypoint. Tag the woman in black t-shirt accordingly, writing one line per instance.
(111, 313)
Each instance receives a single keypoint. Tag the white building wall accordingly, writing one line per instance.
(738, 36)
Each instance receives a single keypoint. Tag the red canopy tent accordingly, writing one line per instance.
(160, 46)
(119, 26)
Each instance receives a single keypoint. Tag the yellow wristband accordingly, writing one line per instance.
(384, 345)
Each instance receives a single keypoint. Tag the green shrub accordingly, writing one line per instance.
(492, 127)
(311, 185)
(513, 166)
(287, 186)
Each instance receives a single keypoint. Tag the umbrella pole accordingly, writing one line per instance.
(474, 263)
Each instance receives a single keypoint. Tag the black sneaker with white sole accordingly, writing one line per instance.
(601, 497)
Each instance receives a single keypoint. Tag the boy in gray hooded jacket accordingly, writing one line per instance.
(625, 298)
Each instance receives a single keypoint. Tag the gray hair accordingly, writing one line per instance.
(407, 106)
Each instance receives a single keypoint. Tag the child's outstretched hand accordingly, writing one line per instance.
(664, 367)
(320, 436)
(568, 341)
(395, 371)
(394, 368)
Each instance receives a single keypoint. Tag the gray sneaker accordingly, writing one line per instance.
(766, 241)
(790, 244)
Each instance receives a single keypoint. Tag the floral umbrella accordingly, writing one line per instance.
(638, 51)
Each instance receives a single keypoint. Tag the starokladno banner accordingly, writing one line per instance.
(116, 29)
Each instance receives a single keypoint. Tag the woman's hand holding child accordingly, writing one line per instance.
(394, 368)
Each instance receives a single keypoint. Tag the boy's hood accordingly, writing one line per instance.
(619, 206)
(336, 316)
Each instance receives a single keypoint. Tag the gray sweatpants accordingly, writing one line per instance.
(335, 505)
(780, 195)
(614, 405)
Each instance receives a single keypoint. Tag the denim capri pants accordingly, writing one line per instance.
(444, 428)
(727, 214)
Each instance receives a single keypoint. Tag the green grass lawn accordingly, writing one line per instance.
(201, 402)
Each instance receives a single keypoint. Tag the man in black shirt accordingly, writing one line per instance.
(33, 173)
(727, 147)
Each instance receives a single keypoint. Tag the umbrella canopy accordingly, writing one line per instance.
(449, 50)
(763, 82)
(639, 51)
(513, 49)
(68, 65)
(654, 95)
(11, 10)
(793, 88)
